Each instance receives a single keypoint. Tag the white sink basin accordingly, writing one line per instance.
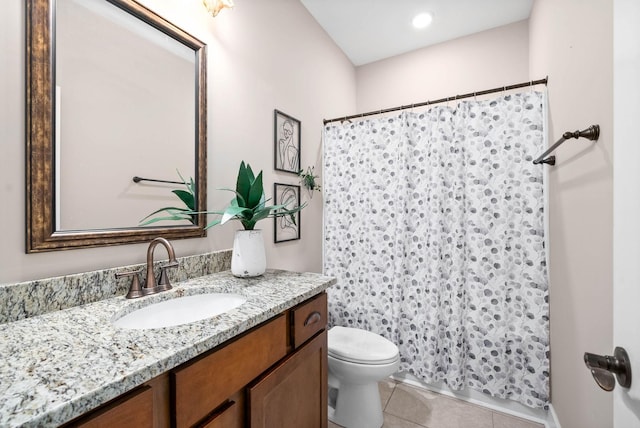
(181, 310)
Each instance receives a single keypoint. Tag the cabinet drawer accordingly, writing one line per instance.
(203, 384)
(134, 409)
(308, 318)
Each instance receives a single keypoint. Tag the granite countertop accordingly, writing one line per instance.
(59, 365)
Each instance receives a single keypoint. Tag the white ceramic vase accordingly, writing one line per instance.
(248, 258)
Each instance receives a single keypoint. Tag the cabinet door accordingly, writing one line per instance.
(294, 393)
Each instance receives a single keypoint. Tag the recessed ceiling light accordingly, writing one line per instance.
(422, 20)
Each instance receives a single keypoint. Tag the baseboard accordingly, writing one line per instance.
(552, 419)
(546, 417)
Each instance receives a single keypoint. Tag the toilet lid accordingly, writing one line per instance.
(360, 346)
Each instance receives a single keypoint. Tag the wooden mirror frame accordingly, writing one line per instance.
(40, 138)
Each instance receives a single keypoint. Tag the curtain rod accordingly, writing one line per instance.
(442, 100)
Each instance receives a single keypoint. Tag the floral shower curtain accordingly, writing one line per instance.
(434, 229)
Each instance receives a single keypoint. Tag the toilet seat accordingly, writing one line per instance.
(360, 346)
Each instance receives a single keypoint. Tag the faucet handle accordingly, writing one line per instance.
(135, 290)
(163, 281)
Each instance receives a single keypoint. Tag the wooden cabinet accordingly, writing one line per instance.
(203, 384)
(294, 393)
(272, 376)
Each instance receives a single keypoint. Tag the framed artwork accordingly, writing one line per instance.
(286, 131)
(285, 229)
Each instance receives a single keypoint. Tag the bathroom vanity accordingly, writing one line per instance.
(261, 364)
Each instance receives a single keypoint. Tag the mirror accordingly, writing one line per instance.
(113, 91)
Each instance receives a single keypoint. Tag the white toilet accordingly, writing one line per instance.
(358, 359)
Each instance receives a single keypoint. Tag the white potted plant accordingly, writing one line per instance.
(249, 207)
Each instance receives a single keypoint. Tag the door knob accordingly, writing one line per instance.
(604, 367)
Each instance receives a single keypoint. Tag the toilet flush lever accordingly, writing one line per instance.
(604, 367)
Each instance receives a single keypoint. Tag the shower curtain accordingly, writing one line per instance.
(434, 230)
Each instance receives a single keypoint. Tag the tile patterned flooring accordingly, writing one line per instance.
(407, 407)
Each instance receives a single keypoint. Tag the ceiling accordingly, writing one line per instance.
(371, 30)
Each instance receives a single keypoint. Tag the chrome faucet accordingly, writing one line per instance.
(150, 286)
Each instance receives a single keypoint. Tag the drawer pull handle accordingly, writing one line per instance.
(313, 318)
(216, 413)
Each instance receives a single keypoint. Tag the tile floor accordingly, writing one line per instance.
(408, 407)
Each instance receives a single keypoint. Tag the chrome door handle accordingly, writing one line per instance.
(604, 367)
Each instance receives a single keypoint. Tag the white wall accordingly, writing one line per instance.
(571, 41)
(489, 59)
(262, 55)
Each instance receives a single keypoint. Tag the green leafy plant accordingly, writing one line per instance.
(308, 180)
(249, 204)
(188, 198)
